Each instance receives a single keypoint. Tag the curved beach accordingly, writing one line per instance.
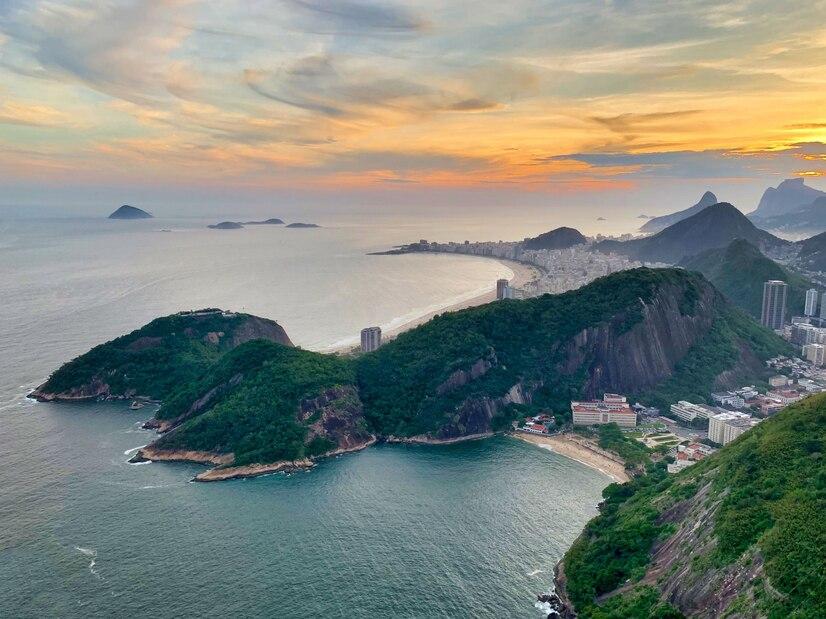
(578, 449)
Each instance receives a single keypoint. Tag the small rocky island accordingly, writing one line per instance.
(272, 221)
(226, 225)
(302, 225)
(130, 212)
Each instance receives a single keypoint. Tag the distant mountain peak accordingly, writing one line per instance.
(656, 224)
(558, 238)
(790, 195)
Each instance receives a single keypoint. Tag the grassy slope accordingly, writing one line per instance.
(739, 271)
(771, 484)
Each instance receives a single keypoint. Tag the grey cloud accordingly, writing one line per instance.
(350, 16)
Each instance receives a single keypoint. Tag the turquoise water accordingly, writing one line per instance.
(472, 529)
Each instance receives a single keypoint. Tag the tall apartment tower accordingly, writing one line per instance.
(810, 309)
(503, 289)
(774, 304)
(823, 306)
(370, 339)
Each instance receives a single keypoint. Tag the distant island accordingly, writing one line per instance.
(273, 221)
(226, 225)
(302, 225)
(130, 212)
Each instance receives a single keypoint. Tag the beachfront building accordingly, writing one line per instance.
(503, 290)
(370, 339)
(689, 412)
(725, 427)
(613, 408)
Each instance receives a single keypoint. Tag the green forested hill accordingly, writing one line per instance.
(740, 534)
(739, 271)
(653, 333)
(156, 359)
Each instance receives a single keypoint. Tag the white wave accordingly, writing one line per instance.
(139, 463)
(92, 554)
(133, 450)
(535, 572)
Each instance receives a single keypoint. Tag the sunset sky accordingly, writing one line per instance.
(511, 102)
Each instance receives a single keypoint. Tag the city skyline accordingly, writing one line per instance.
(615, 105)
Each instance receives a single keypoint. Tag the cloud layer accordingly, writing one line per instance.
(397, 95)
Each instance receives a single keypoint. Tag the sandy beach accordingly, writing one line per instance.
(579, 449)
(522, 274)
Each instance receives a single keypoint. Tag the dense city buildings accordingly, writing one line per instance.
(689, 412)
(370, 339)
(810, 308)
(561, 269)
(725, 427)
(773, 314)
(613, 408)
(815, 353)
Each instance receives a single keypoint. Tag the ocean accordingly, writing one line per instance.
(472, 529)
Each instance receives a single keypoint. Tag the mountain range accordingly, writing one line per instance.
(656, 224)
(712, 227)
(788, 197)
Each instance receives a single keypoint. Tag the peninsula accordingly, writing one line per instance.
(237, 395)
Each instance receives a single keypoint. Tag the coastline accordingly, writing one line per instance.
(579, 450)
(522, 274)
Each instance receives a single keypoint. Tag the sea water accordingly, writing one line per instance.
(472, 529)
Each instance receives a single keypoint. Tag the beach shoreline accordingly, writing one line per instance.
(578, 449)
(522, 275)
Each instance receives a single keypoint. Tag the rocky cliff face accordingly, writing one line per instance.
(336, 415)
(634, 360)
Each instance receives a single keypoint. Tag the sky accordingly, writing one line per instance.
(606, 104)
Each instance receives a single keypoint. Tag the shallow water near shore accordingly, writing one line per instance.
(471, 529)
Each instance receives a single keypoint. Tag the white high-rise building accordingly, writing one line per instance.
(370, 339)
(774, 304)
(810, 309)
(725, 427)
(823, 306)
(816, 353)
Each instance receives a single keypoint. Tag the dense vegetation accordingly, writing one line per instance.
(612, 438)
(767, 495)
(399, 383)
(739, 271)
(255, 418)
(245, 399)
(559, 238)
(153, 360)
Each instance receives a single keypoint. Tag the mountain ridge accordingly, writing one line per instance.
(657, 224)
(713, 227)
